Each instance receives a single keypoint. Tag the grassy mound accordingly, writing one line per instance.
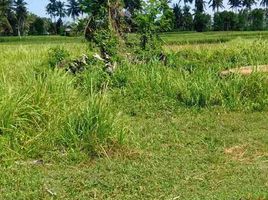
(42, 110)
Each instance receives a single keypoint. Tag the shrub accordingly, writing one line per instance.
(57, 55)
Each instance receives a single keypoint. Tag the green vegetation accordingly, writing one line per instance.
(40, 40)
(210, 37)
(187, 15)
(149, 131)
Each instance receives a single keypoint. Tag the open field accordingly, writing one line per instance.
(211, 37)
(169, 38)
(151, 131)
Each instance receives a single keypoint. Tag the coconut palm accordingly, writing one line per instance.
(216, 4)
(60, 9)
(199, 6)
(264, 3)
(248, 3)
(5, 7)
(187, 1)
(235, 4)
(73, 9)
(20, 9)
(51, 8)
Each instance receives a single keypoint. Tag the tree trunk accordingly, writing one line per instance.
(19, 28)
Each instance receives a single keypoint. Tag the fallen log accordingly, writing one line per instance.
(245, 70)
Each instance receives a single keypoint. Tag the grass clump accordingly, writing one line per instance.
(44, 111)
(90, 128)
(191, 79)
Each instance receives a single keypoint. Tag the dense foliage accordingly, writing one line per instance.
(15, 19)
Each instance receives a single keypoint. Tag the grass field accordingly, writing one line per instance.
(151, 131)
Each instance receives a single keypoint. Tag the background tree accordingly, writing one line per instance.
(187, 19)
(264, 3)
(201, 22)
(60, 9)
(60, 13)
(257, 17)
(248, 3)
(235, 4)
(216, 4)
(51, 8)
(38, 26)
(73, 9)
(132, 5)
(166, 21)
(5, 12)
(178, 16)
(225, 21)
(200, 6)
(243, 20)
(21, 14)
(186, 2)
(5, 7)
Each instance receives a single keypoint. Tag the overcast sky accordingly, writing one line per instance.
(38, 6)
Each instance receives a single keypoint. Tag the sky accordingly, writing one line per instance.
(39, 6)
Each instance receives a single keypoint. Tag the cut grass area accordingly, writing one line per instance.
(187, 133)
(185, 155)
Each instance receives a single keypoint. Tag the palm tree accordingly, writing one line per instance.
(20, 9)
(177, 12)
(216, 4)
(73, 9)
(187, 1)
(60, 13)
(51, 8)
(5, 7)
(264, 3)
(60, 9)
(235, 4)
(248, 3)
(199, 6)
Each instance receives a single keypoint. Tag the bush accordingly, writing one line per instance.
(202, 22)
(57, 55)
(225, 21)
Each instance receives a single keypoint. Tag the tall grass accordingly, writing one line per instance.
(191, 79)
(43, 110)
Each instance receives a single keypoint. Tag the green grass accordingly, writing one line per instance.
(39, 40)
(211, 37)
(149, 132)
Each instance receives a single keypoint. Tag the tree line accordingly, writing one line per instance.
(241, 17)
(15, 19)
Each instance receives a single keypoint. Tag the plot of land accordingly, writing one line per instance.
(187, 133)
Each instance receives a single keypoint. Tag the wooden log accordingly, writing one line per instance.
(245, 70)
